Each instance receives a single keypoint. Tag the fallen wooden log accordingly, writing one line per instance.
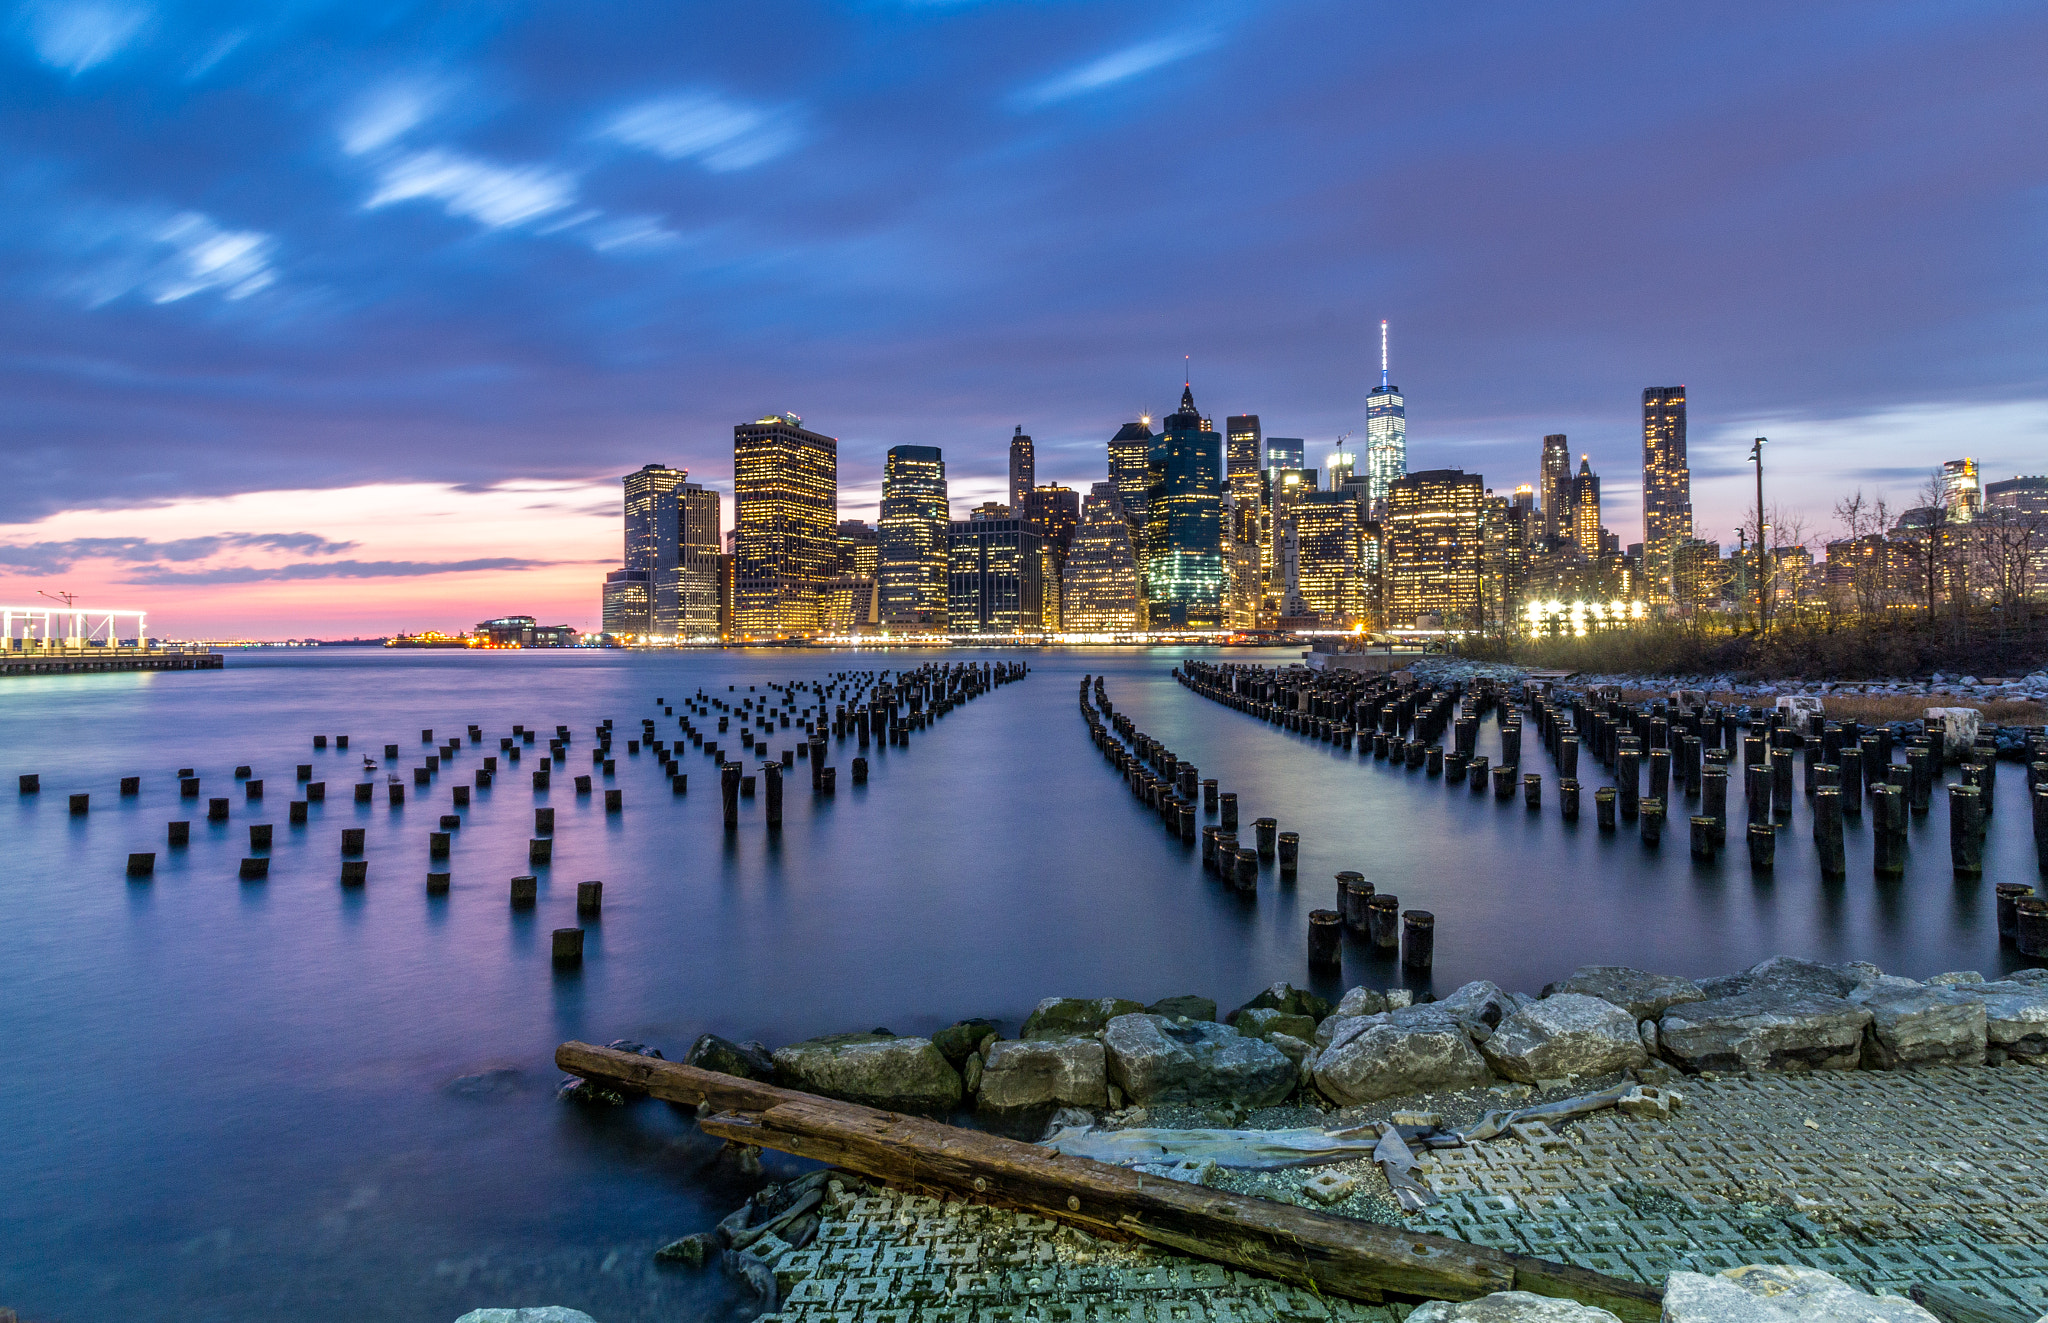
(1342, 1256)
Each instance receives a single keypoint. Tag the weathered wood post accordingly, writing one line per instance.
(216, 810)
(1603, 807)
(1763, 847)
(1228, 804)
(1568, 757)
(1628, 780)
(525, 891)
(180, 833)
(255, 869)
(1325, 939)
(1247, 874)
(2040, 801)
(729, 790)
(1714, 800)
(540, 850)
(1383, 921)
(1418, 940)
(1477, 773)
(1703, 846)
(1850, 761)
(614, 801)
(568, 947)
(1266, 832)
(589, 899)
(2030, 926)
(1660, 774)
(1290, 847)
(1888, 839)
(773, 771)
(1532, 791)
(1353, 893)
(142, 863)
(1966, 830)
(1652, 821)
(355, 872)
(80, 803)
(1568, 799)
(543, 822)
(1827, 830)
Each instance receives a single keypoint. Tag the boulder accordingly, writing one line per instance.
(1042, 1073)
(1296, 1050)
(1645, 996)
(1154, 1060)
(1780, 1294)
(530, 1314)
(1765, 1030)
(1922, 1026)
(1361, 1001)
(2016, 1016)
(1478, 1002)
(905, 1074)
(1956, 976)
(1787, 975)
(1194, 1008)
(1286, 997)
(958, 1041)
(1569, 1033)
(749, 1061)
(1416, 1049)
(2035, 975)
(1264, 1022)
(1957, 727)
(1061, 1017)
(1510, 1307)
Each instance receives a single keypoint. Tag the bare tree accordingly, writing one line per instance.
(2004, 543)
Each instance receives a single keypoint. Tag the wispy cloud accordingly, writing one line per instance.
(719, 134)
(205, 256)
(162, 257)
(76, 36)
(385, 115)
(52, 557)
(334, 569)
(1118, 66)
(496, 196)
(631, 232)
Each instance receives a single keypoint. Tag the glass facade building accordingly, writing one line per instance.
(1329, 578)
(1434, 544)
(995, 576)
(1243, 444)
(1586, 528)
(785, 517)
(1386, 436)
(1130, 451)
(1023, 471)
(1099, 592)
(1556, 487)
(911, 535)
(1184, 575)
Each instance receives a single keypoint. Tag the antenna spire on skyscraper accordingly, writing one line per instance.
(1383, 351)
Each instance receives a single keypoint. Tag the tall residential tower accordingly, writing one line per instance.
(1667, 486)
(1023, 472)
(785, 498)
(914, 525)
(1555, 490)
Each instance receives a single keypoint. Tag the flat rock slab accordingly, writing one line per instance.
(1923, 1026)
(530, 1314)
(2016, 1015)
(1067, 1072)
(903, 1074)
(1563, 1035)
(1154, 1059)
(1645, 996)
(1062, 1017)
(1780, 1294)
(1765, 1030)
(1419, 1049)
(1510, 1307)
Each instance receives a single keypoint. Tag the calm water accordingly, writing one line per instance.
(237, 1101)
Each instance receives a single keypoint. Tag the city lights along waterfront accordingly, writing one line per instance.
(290, 1096)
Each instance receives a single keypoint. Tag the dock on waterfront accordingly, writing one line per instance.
(69, 657)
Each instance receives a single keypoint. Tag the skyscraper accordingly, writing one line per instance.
(1242, 444)
(1129, 451)
(1023, 475)
(1099, 594)
(912, 539)
(1965, 495)
(652, 526)
(785, 542)
(1053, 512)
(1586, 528)
(1328, 578)
(1434, 543)
(696, 572)
(1183, 569)
(1556, 487)
(1667, 486)
(1284, 452)
(628, 603)
(994, 582)
(1386, 435)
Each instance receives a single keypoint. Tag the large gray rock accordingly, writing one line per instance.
(1780, 1294)
(1645, 996)
(1361, 1001)
(2035, 975)
(1286, 997)
(1569, 1033)
(1478, 1002)
(1510, 1307)
(1783, 974)
(747, 1060)
(1922, 1026)
(1765, 1030)
(959, 1040)
(1062, 1017)
(905, 1074)
(1417, 1049)
(1068, 1072)
(530, 1314)
(1157, 1060)
(1958, 727)
(1193, 1007)
(1264, 1022)
(2016, 1015)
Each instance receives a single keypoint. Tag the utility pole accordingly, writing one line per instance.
(1763, 609)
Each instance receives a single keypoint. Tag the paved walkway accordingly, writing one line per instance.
(1884, 1179)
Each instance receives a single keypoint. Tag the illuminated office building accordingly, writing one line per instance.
(1099, 593)
(994, 582)
(1329, 579)
(1386, 435)
(785, 539)
(651, 528)
(1556, 479)
(1284, 452)
(1183, 571)
(628, 603)
(695, 576)
(1023, 471)
(1434, 546)
(1341, 465)
(1242, 444)
(913, 531)
(1667, 487)
(1053, 512)
(1129, 452)
(1248, 542)
(1586, 530)
(853, 602)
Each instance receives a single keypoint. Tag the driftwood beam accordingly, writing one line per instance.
(1342, 1256)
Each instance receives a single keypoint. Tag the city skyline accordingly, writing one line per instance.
(350, 326)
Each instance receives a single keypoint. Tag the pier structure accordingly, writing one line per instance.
(73, 640)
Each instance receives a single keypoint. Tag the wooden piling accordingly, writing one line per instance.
(1325, 939)
(589, 899)
(1651, 820)
(142, 863)
(1290, 849)
(1603, 807)
(255, 869)
(1568, 799)
(1246, 873)
(525, 891)
(1227, 803)
(1827, 830)
(1966, 830)
(355, 872)
(1265, 832)
(1763, 847)
(540, 850)
(1418, 940)
(568, 947)
(1703, 846)
(1383, 921)
(1888, 837)
(729, 792)
(2030, 926)
(216, 810)
(1714, 800)
(614, 801)
(179, 833)
(259, 836)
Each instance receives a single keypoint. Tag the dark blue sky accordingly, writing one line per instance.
(273, 246)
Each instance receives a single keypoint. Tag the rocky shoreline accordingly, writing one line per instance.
(2030, 688)
(1113, 1058)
